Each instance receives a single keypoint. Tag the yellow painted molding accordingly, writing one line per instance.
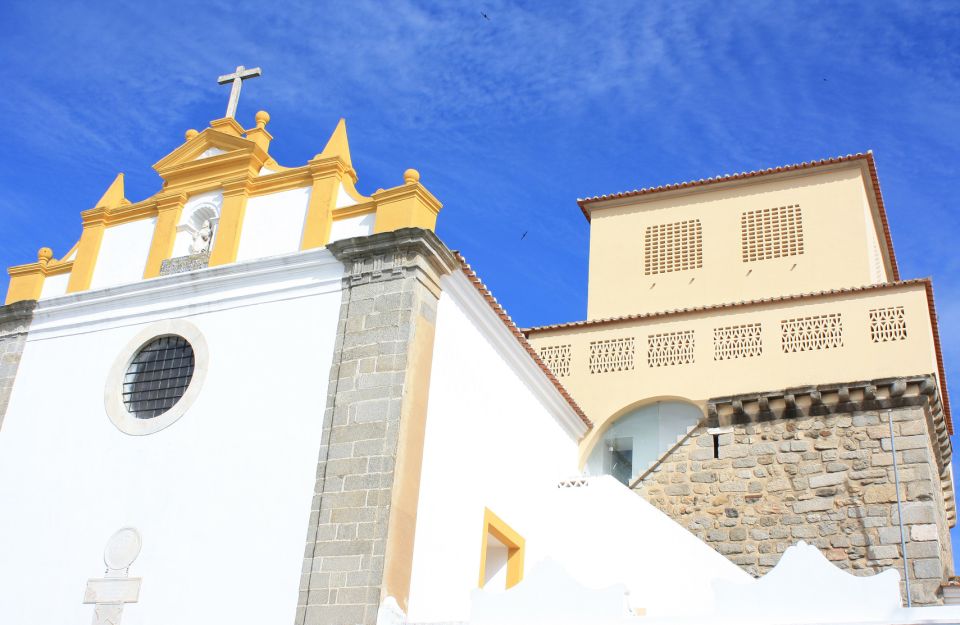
(326, 173)
(56, 268)
(197, 144)
(319, 220)
(236, 172)
(86, 260)
(364, 208)
(259, 134)
(289, 178)
(406, 206)
(339, 146)
(125, 214)
(405, 498)
(24, 286)
(182, 170)
(227, 125)
(208, 174)
(169, 208)
(26, 281)
(112, 208)
(235, 195)
(114, 195)
(275, 166)
(515, 543)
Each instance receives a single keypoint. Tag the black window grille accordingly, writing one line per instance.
(158, 376)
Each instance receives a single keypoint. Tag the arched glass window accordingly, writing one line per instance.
(639, 438)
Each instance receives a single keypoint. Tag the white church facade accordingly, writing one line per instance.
(260, 396)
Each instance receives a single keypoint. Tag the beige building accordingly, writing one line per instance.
(745, 336)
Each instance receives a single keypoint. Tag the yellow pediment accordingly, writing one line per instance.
(218, 153)
(202, 142)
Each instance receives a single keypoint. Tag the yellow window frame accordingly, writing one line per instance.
(497, 527)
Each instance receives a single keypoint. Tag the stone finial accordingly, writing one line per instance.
(190, 134)
(44, 254)
(259, 134)
(411, 176)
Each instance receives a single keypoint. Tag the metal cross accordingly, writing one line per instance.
(237, 79)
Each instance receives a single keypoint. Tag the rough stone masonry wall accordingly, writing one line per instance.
(387, 296)
(827, 480)
(14, 323)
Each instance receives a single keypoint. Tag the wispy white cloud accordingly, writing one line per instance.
(509, 118)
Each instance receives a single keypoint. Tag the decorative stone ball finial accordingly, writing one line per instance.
(410, 176)
(190, 134)
(263, 118)
(44, 254)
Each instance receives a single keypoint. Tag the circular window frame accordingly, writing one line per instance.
(113, 392)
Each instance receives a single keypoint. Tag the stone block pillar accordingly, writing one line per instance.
(14, 323)
(360, 538)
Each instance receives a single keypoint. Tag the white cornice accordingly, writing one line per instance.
(457, 286)
(260, 281)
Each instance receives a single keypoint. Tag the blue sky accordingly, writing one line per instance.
(509, 119)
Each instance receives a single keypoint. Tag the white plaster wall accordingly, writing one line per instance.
(804, 587)
(343, 198)
(601, 535)
(221, 497)
(265, 171)
(490, 441)
(604, 534)
(123, 253)
(54, 285)
(273, 224)
(359, 226)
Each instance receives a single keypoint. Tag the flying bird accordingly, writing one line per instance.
(524, 235)
(485, 16)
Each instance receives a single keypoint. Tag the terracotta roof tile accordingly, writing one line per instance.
(521, 338)
(867, 156)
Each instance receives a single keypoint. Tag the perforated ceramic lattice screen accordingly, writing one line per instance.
(611, 355)
(811, 333)
(888, 324)
(743, 341)
(673, 247)
(670, 348)
(771, 233)
(557, 359)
